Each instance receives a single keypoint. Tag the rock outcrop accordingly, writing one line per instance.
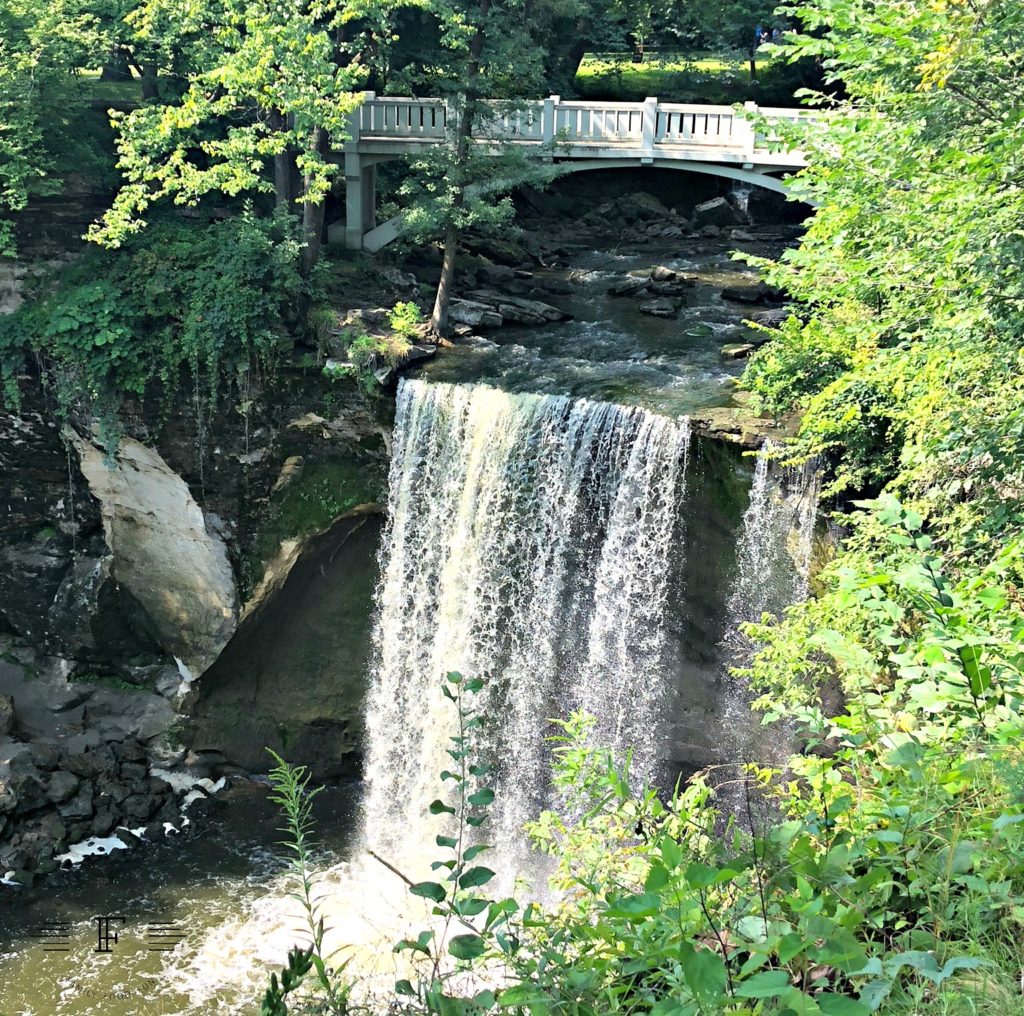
(162, 551)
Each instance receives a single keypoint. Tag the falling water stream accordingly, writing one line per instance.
(565, 547)
(530, 542)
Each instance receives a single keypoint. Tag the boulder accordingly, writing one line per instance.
(395, 277)
(473, 314)
(737, 350)
(140, 806)
(496, 275)
(641, 207)
(660, 273)
(677, 287)
(629, 285)
(500, 251)
(418, 353)
(662, 307)
(29, 791)
(759, 292)
(89, 764)
(518, 309)
(102, 822)
(163, 553)
(79, 806)
(62, 786)
(553, 284)
(774, 318)
(716, 212)
(742, 294)
(291, 470)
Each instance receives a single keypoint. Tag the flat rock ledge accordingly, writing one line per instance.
(741, 426)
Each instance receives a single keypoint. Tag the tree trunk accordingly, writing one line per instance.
(439, 317)
(753, 64)
(150, 88)
(313, 212)
(283, 192)
(575, 58)
(116, 68)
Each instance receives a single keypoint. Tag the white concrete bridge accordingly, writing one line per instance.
(714, 140)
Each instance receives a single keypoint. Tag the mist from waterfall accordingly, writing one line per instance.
(531, 542)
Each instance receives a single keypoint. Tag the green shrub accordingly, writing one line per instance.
(213, 301)
(405, 318)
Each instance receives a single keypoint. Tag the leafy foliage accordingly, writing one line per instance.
(904, 355)
(846, 890)
(211, 300)
(293, 794)
(41, 45)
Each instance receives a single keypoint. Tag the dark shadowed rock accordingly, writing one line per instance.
(62, 785)
(29, 792)
(631, 285)
(79, 806)
(716, 212)
(662, 307)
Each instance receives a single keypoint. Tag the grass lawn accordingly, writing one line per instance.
(721, 78)
(108, 91)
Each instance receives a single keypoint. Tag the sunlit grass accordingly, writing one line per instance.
(698, 77)
(92, 87)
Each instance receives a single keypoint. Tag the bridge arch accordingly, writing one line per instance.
(380, 236)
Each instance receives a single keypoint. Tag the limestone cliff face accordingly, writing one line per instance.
(162, 551)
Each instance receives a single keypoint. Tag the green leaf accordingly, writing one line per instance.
(467, 947)
(404, 987)
(474, 877)
(842, 951)
(440, 808)
(482, 798)
(704, 973)
(640, 905)
(840, 1005)
(657, 878)
(766, 984)
(521, 995)
(701, 876)
(429, 891)
(471, 907)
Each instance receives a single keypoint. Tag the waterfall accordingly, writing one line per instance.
(774, 552)
(740, 197)
(530, 542)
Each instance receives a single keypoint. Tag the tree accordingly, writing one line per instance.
(270, 84)
(41, 44)
(489, 61)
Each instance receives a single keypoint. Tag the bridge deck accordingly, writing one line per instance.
(591, 135)
(575, 129)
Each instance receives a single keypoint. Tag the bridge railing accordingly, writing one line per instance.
(648, 125)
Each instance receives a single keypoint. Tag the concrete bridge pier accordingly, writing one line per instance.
(360, 198)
